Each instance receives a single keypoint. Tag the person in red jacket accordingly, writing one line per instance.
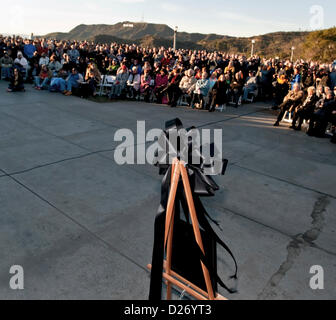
(161, 82)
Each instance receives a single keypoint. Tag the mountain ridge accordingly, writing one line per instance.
(151, 34)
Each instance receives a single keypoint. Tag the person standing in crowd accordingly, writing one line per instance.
(296, 78)
(281, 89)
(29, 49)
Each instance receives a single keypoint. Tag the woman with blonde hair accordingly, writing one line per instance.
(92, 79)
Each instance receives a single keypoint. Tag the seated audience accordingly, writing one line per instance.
(62, 64)
(202, 88)
(133, 83)
(161, 81)
(72, 81)
(322, 116)
(187, 83)
(236, 88)
(172, 89)
(219, 92)
(43, 79)
(120, 84)
(250, 85)
(291, 101)
(16, 81)
(305, 111)
(6, 64)
(44, 60)
(145, 85)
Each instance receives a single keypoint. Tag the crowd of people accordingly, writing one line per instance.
(202, 79)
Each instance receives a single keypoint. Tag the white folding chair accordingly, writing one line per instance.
(221, 108)
(183, 100)
(287, 117)
(108, 83)
(100, 85)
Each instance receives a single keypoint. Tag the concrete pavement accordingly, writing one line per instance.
(82, 226)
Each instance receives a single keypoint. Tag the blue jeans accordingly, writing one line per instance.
(44, 83)
(70, 85)
(246, 92)
(6, 72)
(57, 85)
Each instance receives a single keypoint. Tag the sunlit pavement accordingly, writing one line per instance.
(82, 227)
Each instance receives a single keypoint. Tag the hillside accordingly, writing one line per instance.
(307, 44)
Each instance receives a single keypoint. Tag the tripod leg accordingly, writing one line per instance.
(170, 221)
(195, 225)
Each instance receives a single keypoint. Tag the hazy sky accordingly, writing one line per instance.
(237, 18)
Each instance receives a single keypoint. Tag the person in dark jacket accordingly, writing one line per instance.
(16, 82)
(281, 89)
(236, 87)
(172, 88)
(292, 100)
(219, 92)
(320, 118)
(306, 110)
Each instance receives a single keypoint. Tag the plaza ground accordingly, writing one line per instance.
(82, 226)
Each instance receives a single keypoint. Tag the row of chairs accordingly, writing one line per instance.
(107, 81)
(183, 100)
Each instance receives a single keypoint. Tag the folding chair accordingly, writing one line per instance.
(107, 84)
(100, 84)
(183, 100)
(221, 108)
(287, 117)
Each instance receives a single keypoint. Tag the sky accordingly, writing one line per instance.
(235, 18)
